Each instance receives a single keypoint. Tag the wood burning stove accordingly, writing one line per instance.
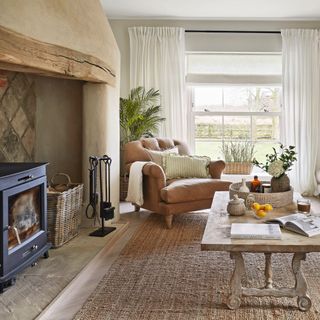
(23, 218)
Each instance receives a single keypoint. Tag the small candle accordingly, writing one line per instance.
(266, 187)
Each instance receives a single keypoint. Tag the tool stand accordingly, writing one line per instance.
(106, 209)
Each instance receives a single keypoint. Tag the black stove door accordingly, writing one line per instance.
(24, 222)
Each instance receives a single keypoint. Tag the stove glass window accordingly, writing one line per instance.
(24, 216)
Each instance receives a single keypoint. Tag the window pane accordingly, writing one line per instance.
(266, 99)
(207, 98)
(208, 127)
(237, 128)
(265, 128)
(235, 64)
(236, 99)
(208, 148)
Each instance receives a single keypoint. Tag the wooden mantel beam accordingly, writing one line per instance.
(24, 54)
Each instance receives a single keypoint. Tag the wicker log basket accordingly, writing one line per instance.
(276, 199)
(124, 183)
(64, 210)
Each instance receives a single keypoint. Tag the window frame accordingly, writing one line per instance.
(223, 114)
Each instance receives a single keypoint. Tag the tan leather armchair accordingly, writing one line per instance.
(170, 197)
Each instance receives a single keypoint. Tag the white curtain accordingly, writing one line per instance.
(300, 121)
(157, 60)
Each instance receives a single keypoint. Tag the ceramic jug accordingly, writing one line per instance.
(243, 187)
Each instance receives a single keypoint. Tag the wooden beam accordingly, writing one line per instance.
(22, 53)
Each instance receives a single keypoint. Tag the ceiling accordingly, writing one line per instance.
(213, 9)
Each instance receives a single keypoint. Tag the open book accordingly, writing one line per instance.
(306, 225)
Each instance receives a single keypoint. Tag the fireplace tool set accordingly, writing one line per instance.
(100, 166)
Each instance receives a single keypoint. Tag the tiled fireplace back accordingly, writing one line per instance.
(17, 117)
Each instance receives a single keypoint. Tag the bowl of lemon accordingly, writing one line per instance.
(261, 210)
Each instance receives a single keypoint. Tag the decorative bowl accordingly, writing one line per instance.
(276, 199)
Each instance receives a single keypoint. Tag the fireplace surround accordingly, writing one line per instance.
(23, 218)
(47, 42)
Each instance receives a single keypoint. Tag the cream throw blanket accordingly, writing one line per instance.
(135, 188)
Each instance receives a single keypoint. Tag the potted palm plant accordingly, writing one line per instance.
(139, 117)
(139, 114)
(238, 157)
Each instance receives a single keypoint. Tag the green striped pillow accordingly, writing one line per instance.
(156, 156)
(176, 166)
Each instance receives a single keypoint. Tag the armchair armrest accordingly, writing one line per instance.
(216, 168)
(154, 171)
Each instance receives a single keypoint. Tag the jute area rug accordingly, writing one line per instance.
(163, 274)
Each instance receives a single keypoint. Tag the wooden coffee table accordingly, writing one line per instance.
(217, 238)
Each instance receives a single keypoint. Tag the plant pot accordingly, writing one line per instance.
(238, 168)
(280, 184)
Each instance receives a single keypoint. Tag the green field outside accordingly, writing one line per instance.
(265, 128)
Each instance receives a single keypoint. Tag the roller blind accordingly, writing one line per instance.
(234, 68)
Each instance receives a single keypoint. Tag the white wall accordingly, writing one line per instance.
(208, 42)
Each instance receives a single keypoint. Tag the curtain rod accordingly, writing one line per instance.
(232, 31)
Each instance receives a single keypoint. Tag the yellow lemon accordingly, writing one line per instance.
(256, 206)
(268, 207)
(261, 213)
(262, 207)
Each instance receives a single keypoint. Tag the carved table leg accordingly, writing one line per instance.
(304, 301)
(268, 271)
(234, 300)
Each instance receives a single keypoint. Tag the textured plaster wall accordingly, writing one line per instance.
(100, 109)
(17, 117)
(59, 125)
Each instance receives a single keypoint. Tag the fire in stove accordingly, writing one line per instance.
(24, 216)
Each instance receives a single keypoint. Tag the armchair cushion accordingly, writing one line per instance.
(176, 166)
(150, 143)
(183, 190)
